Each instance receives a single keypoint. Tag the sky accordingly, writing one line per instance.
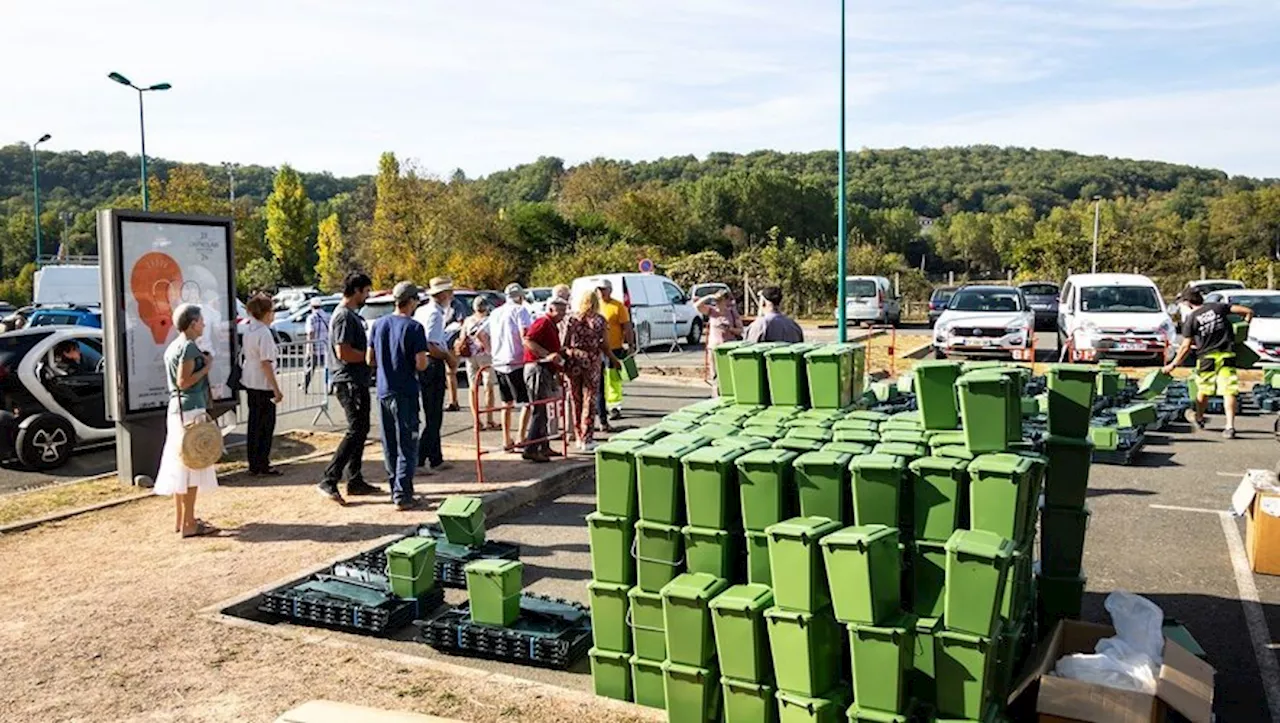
(483, 86)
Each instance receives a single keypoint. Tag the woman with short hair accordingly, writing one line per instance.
(475, 336)
(261, 388)
(584, 345)
(187, 372)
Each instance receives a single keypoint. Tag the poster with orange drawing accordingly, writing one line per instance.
(167, 265)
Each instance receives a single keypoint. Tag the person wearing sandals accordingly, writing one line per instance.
(474, 338)
(187, 371)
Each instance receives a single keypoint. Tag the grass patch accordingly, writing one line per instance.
(48, 500)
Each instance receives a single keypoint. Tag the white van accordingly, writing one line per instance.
(870, 300)
(68, 285)
(659, 309)
(1116, 316)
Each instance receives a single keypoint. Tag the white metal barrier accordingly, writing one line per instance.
(303, 370)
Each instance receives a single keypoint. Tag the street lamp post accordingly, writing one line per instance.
(1097, 217)
(841, 332)
(230, 168)
(35, 181)
(142, 126)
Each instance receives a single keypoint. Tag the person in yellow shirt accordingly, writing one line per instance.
(620, 335)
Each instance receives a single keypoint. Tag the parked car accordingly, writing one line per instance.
(698, 291)
(536, 299)
(1115, 316)
(66, 316)
(1043, 298)
(287, 297)
(985, 321)
(659, 309)
(292, 325)
(938, 302)
(496, 298)
(47, 413)
(870, 299)
(376, 307)
(1178, 311)
(1264, 330)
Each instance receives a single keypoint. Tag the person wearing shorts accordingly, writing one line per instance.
(507, 325)
(1209, 330)
(480, 374)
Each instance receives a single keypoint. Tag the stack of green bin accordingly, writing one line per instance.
(1071, 393)
(750, 374)
(966, 650)
(724, 367)
(835, 374)
(742, 644)
(788, 380)
(768, 496)
(1059, 576)
(1001, 488)
(939, 497)
(935, 383)
(990, 406)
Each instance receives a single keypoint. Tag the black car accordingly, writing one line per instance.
(1043, 298)
(938, 302)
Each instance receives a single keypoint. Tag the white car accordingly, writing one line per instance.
(1115, 316)
(1264, 330)
(870, 300)
(659, 309)
(536, 300)
(985, 321)
(1178, 311)
(376, 307)
(292, 325)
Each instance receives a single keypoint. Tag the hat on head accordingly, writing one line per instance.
(514, 289)
(558, 301)
(440, 284)
(404, 291)
(603, 283)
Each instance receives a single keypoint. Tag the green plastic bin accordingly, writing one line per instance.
(1058, 598)
(647, 683)
(682, 415)
(1154, 383)
(977, 563)
(906, 450)
(806, 650)
(672, 426)
(935, 383)
(1104, 439)
(921, 683)
(869, 437)
(788, 381)
(817, 434)
(827, 708)
(758, 570)
(611, 674)
(742, 442)
(659, 553)
(724, 367)
(779, 414)
(984, 408)
(903, 436)
(679, 440)
(831, 370)
(647, 624)
(848, 423)
(939, 493)
(686, 615)
(647, 435)
(610, 611)
(411, 567)
(1136, 415)
(766, 487)
(748, 702)
(852, 449)
(864, 573)
(928, 578)
(770, 432)
(661, 481)
(1000, 494)
(878, 480)
(799, 444)
(882, 657)
(1066, 482)
(871, 415)
(462, 519)
(693, 693)
(1071, 391)
(795, 563)
(715, 430)
(742, 637)
(612, 539)
(711, 487)
(616, 477)
(963, 672)
(712, 551)
(955, 451)
(750, 376)
(493, 589)
(946, 439)
(822, 481)
(1107, 383)
(1062, 533)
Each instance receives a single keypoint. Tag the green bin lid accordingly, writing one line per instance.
(821, 434)
(943, 438)
(688, 671)
(909, 416)
(901, 624)
(938, 464)
(928, 626)
(778, 413)
(867, 715)
(1001, 463)
(910, 436)
(771, 457)
(652, 665)
(608, 588)
(712, 455)
(705, 533)
(674, 445)
(759, 349)
(833, 698)
(410, 546)
(620, 447)
(694, 586)
(459, 506)
(802, 528)
(762, 690)
(900, 449)
(850, 423)
(984, 377)
(793, 616)
(603, 520)
(866, 436)
(599, 654)
(492, 567)
(672, 426)
(971, 639)
(954, 451)
(1066, 370)
(799, 444)
(744, 598)
(652, 598)
(853, 448)
(826, 351)
(764, 431)
(742, 441)
(823, 458)
(822, 414)
(809, 423)
(684, 416)
(728, 346)
(859, 537)
(658, 528)
(715, 430)
(930, 364)
(642, 434)
(867, 414)
(877, 460)
(791, 350)
(980, 543)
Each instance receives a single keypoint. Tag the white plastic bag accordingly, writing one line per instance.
(1138, 622)
(1131, 659)
(1103, 670)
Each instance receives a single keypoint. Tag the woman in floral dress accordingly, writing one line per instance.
(584, 344)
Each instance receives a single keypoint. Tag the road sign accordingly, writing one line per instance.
(646, 266)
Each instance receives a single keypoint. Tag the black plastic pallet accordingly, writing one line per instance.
(312, 610)
(550, 633)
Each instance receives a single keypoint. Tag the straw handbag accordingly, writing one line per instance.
(201, 443)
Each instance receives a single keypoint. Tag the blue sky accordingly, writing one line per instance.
(329, 84)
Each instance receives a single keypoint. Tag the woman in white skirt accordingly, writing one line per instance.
(187, 369)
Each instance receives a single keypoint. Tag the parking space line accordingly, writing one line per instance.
(1236, 475)
(1177, 508)
(1256, 621)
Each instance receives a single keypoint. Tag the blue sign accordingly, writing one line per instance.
(646, 266)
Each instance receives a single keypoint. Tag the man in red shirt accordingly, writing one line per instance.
(541, 365)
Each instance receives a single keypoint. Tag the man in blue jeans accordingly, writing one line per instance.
(398, 351)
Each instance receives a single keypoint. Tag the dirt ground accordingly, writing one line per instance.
(99, 620)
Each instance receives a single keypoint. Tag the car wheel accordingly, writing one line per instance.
(695, 331)
(45, 441)
(939, 353)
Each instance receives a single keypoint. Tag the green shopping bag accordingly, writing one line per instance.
(629, 369)
(612, 387)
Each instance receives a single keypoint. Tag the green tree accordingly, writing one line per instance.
(290, 222)
(187, 189)
(331, 252)
(259, 274)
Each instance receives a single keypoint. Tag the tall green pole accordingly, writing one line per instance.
(35, 181)
(142, 129)
(841, 333)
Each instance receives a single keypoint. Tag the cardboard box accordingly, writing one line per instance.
(1185, 684)
(1262, 533)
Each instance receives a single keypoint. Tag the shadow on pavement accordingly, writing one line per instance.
(341, 532)
(1127, 491)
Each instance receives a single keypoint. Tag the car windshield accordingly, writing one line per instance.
(374, 311)
(1120, 299)
(1040, 290)
(15, 346)
(857, 288)
(942, 296)
(1208, 287)
(1264, 306)
(539, 295)
(986, 300)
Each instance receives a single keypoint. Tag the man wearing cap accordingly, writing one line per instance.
(1209, 329)
(398, 351)
(433, 379)
(620, 334)
(772, 324)
(542, 364)
(507, 325)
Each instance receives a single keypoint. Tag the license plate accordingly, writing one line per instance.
(1130, 346)
(979, 341)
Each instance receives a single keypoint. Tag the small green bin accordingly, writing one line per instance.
(1104, 439)
(712, 551)
(493, 589)
(806, 650)
(610, 611)
(738, 413)
(766, 487)
(661, 481)
(411, 567)
(928, 578)
(867, 414)
(832, 370)
(869, 437)
(647, 624)
(903, 436)
(963, 672)
(647, 683)
(779, 414)
(1107, 383)
(679, 440)
(955, 451)
(827, 708)
(659, 553)
(682, 415)
(1058, 598)
(611, 674)
(1062, 533)
(905, 450)
(693, 693)
(864, 573)
(1071, 392)
(921, 684)
(770, 432)
(612, 540)
(686, 615)
(1066, 481)
(946, 439)
(1153, 384)
(742, 637)
(822, 481)
(1000, 491)
(724, 367)
(847, 423)
(748, 702)
(714, 430)
(882, 657)
(671, 426)
(462, 519)
(647, 435)
(1271, 375)
(878, 480)
(742, 442)
(750, 376)
(977, 563)
(1136, 415)
(852, 449)
(984, 408)
(939, 494)
(799, 444)
(711, 487)
(788, 381)
(616, 477)
(814, 433)
(935, 383)
(795, 563)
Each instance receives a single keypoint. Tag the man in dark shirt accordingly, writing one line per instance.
(398, 351)
(772, 324)
(541, 364)
(350, 380)
(1209, 329)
